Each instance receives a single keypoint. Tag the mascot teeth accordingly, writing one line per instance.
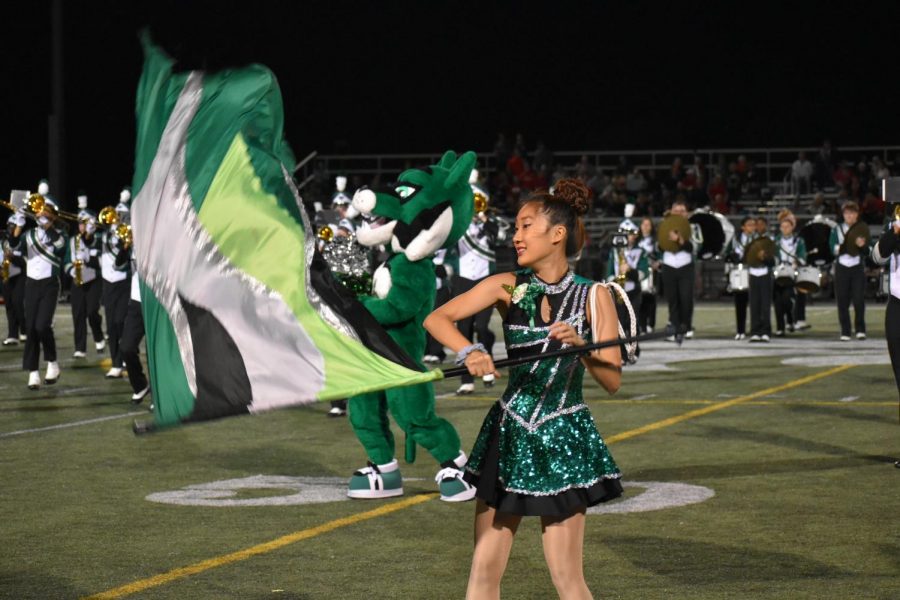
(375, 233)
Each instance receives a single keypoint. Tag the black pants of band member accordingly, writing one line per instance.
(115, 304)
(432, 346)
(647, 316)
(800, 307)
(741, 299)
(14, 299)
(850, 286)
(40, 304)
(783, 298)
(477, 324)
(892, 333)
(679, 288)
(761, 305)
(130, 345)
(85, 300)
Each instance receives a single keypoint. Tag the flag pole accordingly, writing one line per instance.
(509, 362)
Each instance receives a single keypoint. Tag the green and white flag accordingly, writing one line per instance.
(241, 315)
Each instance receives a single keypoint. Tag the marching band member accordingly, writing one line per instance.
(887, 252)
(647, 313)
(849, 274)
(13, 278)
(734, 254)
(133, 330)
(82, 265)
(678, 277)
(628, 266)
(792, 252)
(45, 246)
(116, 290)
(760, 294)
(477, 260)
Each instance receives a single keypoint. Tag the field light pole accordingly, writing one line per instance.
(56, 132)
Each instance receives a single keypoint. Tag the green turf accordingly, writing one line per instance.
(804, 506)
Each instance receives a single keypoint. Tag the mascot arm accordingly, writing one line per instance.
(412, 287)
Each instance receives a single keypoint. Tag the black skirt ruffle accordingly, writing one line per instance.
(489, 489)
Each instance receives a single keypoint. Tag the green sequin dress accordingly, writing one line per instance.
(538, 451)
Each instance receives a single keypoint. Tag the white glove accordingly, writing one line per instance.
(90, 227)
(19, 219)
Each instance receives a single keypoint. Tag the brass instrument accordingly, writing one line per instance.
(673, 223)
(108, 216)
(4, 269)
(36, 205)
(325, 233)
(124, 233)
(623, 267)
(481, 202)
(78, 264)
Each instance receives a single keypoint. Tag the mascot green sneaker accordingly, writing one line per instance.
(427, 209)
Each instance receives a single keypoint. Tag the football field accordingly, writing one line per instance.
(751, 471)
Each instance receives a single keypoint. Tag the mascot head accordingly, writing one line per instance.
(427, 209)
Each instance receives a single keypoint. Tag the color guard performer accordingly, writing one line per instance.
(735, 255)
(82, 265)
(850, 243)
(12, 274)
(791, 254)
(45, 247)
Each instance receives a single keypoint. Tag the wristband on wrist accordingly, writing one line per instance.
(465, 352)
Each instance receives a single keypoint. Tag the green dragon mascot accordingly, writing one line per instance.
(427, 209)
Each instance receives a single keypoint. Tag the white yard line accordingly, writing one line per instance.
(72, 424)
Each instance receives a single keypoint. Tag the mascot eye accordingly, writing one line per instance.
(405, 192)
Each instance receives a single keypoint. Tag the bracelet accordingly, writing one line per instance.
(465, 352)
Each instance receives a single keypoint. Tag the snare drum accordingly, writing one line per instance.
(784, 274)
(809, 280)
(739, 279)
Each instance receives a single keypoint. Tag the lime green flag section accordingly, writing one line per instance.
(260, 236)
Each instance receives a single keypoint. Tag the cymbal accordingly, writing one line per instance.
(672, 223)
(859, 230)
(767, 245)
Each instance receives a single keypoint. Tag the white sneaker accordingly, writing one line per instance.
(114, 373)
(79, 354)
(466, 388)
(649, 329)
(755, 338)
(52, 373)
(430, 359)
(799, 325)
(488, 380)
(845, 338)
(764, 338)
(670, 338)
(22, 337)
(100, 346)
(860, 335)
(11, 341)
(336, 411)
(740, 336)
(138, 397)
(34, 380)
(689, 335)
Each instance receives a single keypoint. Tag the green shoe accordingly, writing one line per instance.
(376, 481)
(450, 481)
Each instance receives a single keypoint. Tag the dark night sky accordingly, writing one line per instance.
(426, 76)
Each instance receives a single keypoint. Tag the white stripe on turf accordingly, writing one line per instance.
(72, 424)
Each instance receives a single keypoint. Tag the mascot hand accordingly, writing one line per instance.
(381, 282)
(364, 200)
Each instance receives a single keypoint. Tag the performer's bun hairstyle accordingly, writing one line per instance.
(564, 204)
(787, 215)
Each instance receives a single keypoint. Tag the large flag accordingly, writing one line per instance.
(241, 314)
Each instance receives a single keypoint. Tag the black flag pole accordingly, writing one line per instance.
(509, 362)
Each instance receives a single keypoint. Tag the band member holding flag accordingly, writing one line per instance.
(560, 465)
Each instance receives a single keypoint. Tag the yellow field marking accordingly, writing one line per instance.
(212, 563)
(725, 404)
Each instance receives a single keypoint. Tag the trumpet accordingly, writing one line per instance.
(78, 264)
(481, 202)
(325, 233)
(108, 216)
(124, 233)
